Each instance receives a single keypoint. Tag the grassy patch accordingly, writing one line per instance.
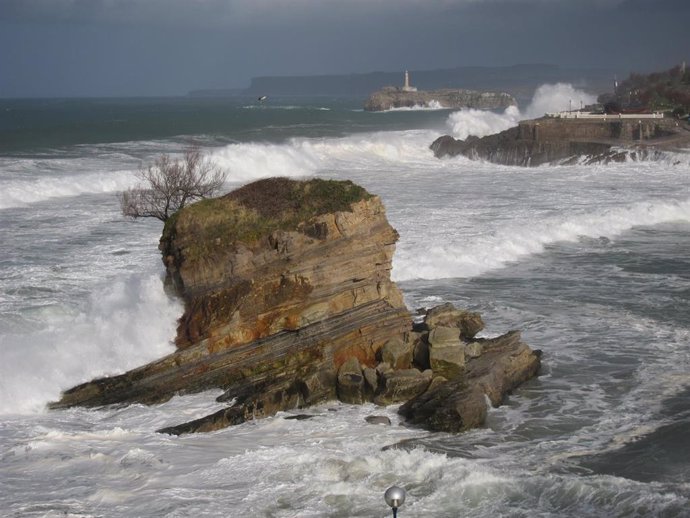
(256, 210)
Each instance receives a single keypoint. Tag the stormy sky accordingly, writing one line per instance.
(168, 47)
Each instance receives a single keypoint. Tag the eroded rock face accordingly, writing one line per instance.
(283, 281)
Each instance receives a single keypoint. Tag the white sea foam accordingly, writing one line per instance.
(304, 157)
(474, 256)
(18, 192)
(432, 105)
(124, 325)
(480, 123)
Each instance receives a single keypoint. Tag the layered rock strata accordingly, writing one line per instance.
(283, 281)
(556, 140)
(392, 97)
(289, 302)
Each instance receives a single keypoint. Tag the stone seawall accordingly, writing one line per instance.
(554, 140)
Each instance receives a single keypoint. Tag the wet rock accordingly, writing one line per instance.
(397, 353)
(420, 350)
(351, 382)
(378, 419)
(446, 352)
(473, 350)
(371, 379)
(469, 323)
(401, 385)
(299, 417)
(459, 404)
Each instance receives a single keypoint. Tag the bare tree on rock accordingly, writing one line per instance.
(170, 184)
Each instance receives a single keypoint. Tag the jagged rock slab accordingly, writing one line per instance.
(459, 404)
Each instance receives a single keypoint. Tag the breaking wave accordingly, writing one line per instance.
(123, 325)
(526, 237)
(546, 99)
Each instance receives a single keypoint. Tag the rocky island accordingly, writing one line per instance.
(566, 140)
(289, 302)
(408, 97)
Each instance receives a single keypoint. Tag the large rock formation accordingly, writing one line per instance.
(289, 302)
(392, 97)
(557, 140)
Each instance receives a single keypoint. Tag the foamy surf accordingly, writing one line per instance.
(518, 239)
(123, 325)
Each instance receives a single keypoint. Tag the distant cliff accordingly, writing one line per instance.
(392, 97)
(556, 140)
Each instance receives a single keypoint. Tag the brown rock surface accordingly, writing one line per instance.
(458, 404)
(289, 302)
(282, 281)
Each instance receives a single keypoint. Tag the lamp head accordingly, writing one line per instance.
(395, 496)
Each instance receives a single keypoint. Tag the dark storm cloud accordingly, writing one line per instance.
(148, 47)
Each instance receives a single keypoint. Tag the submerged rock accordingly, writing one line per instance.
(378, 419)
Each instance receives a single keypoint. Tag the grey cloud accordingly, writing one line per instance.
(149, 47)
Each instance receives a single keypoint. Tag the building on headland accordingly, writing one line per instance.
(406, 86)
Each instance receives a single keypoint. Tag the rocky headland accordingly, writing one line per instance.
(394, 97)
(566, 140)
(289, 303)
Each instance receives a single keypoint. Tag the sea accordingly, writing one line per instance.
(590, 262)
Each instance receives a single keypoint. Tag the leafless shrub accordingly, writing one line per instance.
(170, 184)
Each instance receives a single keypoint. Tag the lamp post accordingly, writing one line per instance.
(571, 106)
(395, 497)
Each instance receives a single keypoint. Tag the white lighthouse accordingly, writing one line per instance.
(406, 86)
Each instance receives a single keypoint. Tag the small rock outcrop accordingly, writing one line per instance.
(392, 97)
(557, 140)
(289, 302)
(459, 403)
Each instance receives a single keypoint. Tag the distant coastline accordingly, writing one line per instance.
(518, 80)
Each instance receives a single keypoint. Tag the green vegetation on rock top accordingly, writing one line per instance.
(257, 209)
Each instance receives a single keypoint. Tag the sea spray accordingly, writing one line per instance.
(547, 98)
(123, 325)
(308, 156)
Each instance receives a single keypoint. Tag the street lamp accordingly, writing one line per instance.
(395, 497)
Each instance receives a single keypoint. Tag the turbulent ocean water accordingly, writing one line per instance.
(591, 262)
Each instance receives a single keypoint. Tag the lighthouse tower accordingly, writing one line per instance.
(406, 87)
